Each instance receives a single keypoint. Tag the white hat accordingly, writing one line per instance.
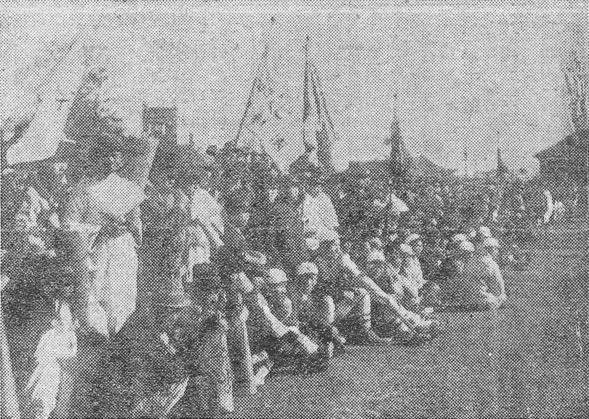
(374, 255)
(312, 243)
(491, 242)
(466, 246)
(457, 238)
(406, 249)
(485, 232)
(276, 276)
(307, 268)
(411, 238)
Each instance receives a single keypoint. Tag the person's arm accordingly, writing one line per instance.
(73, 209)
(495, 284)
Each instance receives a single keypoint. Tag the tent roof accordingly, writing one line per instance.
(424, 166)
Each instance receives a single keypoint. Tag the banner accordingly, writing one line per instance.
(261, 128)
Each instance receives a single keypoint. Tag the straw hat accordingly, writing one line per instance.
(458, 238)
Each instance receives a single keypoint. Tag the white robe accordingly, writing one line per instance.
(112, 262)
(114, 277)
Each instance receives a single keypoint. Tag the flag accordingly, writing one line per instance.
(46, 131)
(262, 125)
(42, 137)
(318, 130)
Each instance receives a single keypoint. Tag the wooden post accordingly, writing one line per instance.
(239, 348)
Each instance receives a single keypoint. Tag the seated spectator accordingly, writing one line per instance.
(340, 278)
(453, 271)
(428, 290)
(315, 313)
(448, 268)
(482, 287)
(386, 275)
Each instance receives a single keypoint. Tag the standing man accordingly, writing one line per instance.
(319, 216)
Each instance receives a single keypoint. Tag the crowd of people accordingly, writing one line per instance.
(223, 270)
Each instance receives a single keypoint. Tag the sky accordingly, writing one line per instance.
(467, 75)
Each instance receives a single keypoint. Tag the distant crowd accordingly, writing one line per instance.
(228, 270)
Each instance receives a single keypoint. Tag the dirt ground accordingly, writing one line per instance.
(525, 360)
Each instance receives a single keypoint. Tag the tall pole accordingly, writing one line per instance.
(305, 86)
(394, 128)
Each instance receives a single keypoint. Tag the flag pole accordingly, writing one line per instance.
(391, 167)
(305, 84)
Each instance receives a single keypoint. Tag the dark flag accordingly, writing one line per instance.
(318, 130)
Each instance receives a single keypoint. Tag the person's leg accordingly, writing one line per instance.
(324, 310)
(238, 345)
(354, 312)
(389, 303)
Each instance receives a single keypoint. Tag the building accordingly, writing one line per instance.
(566, 160)
(419, 168)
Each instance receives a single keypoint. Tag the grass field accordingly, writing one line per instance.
(522, 361)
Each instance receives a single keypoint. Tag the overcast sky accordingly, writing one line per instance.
(480, 76)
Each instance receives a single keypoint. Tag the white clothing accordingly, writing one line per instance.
(115, 278)
(412, 271)
(205, 209)
(33, 205)
(43, 386)
(319, 217)
(112, 261)
(482, 276)
(549, 206)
